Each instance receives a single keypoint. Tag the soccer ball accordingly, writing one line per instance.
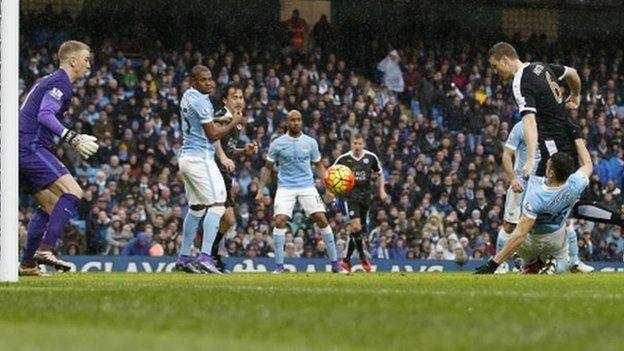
(339, 179)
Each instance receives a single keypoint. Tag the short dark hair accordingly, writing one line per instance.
(563, 165)
(357, 136)
(501, 49)
(229, 87)
(197, 70)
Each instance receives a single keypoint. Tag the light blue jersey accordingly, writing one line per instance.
(293, 157)
(196, 110)
(515, 142)
(550, 207)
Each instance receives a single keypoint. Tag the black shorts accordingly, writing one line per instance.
(355, 209)
(228, 189)
(550, 147)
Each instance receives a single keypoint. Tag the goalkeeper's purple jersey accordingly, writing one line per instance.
(43, 108)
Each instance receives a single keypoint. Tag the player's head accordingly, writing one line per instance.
(233, 98)
(201, 79)
(293, 121)
(357, 143)
(75, 56)
(503, 58)
(559, 167)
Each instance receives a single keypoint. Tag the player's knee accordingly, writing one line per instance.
(228, 218)
(509, 227)
(280, 221)
(321, 220)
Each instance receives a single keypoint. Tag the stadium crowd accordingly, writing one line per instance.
(438, 126)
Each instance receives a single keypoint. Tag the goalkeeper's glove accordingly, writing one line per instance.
(487, 268)
(83, 143)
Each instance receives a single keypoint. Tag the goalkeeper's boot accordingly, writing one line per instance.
(30, 271)
(49, 258)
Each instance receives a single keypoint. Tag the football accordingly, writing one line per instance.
(339, 179)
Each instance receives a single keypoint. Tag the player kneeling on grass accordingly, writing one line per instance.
(515, 148)
(541, 233)
(292, 153)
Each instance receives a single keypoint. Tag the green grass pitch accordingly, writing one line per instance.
(433, 311)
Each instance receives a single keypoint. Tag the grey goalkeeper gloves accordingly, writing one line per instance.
(83, 143)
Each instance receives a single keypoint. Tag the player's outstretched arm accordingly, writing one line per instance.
(513, 243)
(530, 139)
(584, 158)
(265, 177)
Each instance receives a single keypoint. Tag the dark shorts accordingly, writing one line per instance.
(550, 147)
(228, 188)
(39, 168)
(354, 209)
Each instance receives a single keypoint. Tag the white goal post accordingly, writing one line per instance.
(9, 91)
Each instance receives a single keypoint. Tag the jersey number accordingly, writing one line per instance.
(555, 88)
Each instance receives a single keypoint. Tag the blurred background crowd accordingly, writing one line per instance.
(431, 108)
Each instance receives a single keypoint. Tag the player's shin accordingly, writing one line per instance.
(328, 237)
(65, 208)
(189, 228)
(573, 250)
(36, 228)
(211, 227)
(502, 238)
(279, 239)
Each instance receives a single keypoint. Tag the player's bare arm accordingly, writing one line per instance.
(226, 161)
(265, 178)
(584, 158)
(515, 240)
(516, 184)
(530, 139)
(574, 82)
(381, 185)
(215, 132)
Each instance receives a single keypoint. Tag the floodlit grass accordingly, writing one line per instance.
(313, 312)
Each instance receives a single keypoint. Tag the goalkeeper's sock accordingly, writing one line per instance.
(65, 208)
(595, 212)
(279, 239)
(573, 249)
(36, 228)
(328, 236)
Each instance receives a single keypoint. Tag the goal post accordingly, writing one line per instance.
(9, 96)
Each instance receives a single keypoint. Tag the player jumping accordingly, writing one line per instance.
(56, 192)
(203, 182)
(540, 100)
(292, 153)
(541, 232)
(355, 205)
